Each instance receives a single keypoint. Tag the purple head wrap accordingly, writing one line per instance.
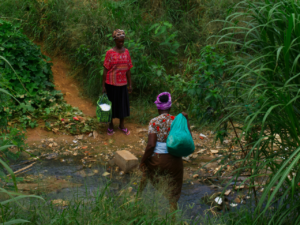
(163, 105)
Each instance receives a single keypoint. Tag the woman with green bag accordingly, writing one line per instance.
(116, 78)
(157, 164)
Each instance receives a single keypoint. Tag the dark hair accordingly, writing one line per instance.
(164, 98)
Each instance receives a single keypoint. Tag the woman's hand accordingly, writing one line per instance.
(128, 75)
(143, 167)
(185, 115)
(148, 151)
(130, 89)
(103, 89)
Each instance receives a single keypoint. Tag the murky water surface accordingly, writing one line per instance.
(67, 177)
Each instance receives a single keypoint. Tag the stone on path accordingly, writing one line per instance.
(214, 151)
(95, 134)
(80, 137)
(125, 160)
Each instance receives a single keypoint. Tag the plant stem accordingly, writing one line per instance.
(237, 136)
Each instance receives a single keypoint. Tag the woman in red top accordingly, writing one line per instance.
(116, 78)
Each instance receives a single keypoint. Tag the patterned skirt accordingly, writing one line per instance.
(169, 169)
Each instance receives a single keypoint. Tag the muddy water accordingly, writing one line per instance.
(86, 181)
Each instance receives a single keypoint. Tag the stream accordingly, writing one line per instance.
(70, 169)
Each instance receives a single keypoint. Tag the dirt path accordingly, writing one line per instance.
(69, 87)
(71, 90)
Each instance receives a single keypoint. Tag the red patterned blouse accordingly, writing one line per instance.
(117, 65)
(161, 126)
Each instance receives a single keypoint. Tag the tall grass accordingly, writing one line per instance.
(265, 96)
(105, 205)
(13, 197)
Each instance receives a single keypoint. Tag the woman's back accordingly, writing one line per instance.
(161, 126)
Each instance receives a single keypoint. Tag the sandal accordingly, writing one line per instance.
(110, 131)
(125, 131)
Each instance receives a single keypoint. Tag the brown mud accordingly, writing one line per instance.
(40, 184)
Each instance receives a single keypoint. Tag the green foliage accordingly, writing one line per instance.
(25, 72)
(32, 72)
(13, 197)
(27, 75)
(159, 34)
(207, 82)
(204, 85)
(265, 84)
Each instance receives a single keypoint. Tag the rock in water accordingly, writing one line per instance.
(126, 160)
(237, 200)
(195, 176)
(227, 192)
(60, 202)
(105, 174)
(218, 200)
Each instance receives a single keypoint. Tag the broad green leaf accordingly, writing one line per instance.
(9, 170)
(16, 221)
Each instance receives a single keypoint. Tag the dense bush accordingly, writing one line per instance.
(26, 73)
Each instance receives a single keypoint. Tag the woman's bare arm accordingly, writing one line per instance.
(128, 75)
(149, 149)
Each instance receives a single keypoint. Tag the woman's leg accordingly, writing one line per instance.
(110, 130)
(173, 208)
(143, 184)
(122, 123)
(111, 124)
(173, 205)
(122, 127)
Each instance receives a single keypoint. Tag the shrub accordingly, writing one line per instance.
(26, 73)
